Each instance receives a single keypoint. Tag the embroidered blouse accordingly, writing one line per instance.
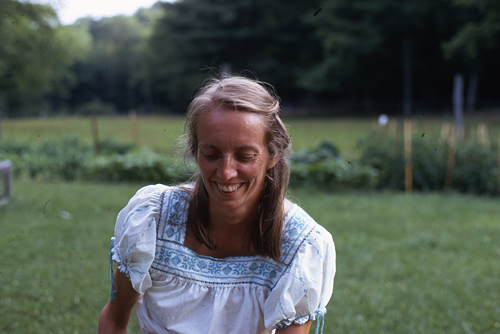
(184, 292)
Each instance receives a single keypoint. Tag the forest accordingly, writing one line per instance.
(328, 57)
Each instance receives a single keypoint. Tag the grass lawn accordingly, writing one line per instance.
(406, 263)
(161, 132)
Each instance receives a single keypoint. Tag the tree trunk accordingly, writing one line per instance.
(458, 104)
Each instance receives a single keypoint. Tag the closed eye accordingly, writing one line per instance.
(246, 158)
(210, 156)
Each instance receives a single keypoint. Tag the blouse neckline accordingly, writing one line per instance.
(182, 240)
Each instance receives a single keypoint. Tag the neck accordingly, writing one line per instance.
(235, 222)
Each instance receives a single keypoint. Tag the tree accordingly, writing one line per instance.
(362, 43)
(474, 42)
(270, 40)
(35, 55)
(110, 75)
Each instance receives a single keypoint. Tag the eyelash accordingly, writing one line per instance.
(241, 158)
(246, 158)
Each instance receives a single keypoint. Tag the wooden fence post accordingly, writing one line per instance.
(482, 134)
(408, 153)
(451, 160)
(445, 133)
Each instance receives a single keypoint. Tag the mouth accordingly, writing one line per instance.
(228, 188)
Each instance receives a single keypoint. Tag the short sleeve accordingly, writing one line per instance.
(305, 288)
(135, 236)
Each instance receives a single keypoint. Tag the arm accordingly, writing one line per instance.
(116, 314)
(295, 329)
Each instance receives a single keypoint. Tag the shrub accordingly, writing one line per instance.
(112, 146)
(323, 167)
(48, 161)
(475, 169)
(139, 165)
(53, 160)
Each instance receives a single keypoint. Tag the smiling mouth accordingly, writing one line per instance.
(229, 188)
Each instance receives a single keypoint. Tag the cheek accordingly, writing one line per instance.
(206, 167)
(256, 171)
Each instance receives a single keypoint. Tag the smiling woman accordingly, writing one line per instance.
(227, 253)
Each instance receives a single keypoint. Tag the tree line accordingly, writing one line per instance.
(323, 56)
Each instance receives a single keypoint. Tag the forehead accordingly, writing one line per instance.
(222, 127)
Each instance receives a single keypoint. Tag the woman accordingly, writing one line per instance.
(228, 253)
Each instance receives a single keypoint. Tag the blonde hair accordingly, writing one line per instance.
(243, 95)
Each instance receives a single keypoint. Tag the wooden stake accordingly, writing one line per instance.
(95, 133)
(482, 134)
(445, 130)
(135, 129)
(408, 163)
(451, 161)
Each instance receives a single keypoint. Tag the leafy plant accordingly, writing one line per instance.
(139, 165)
(471, 167)
(323, 167)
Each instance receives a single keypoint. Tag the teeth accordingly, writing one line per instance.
(228, 189)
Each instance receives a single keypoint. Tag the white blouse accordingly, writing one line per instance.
(184, 292)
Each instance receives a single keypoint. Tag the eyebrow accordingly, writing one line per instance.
(244, 147)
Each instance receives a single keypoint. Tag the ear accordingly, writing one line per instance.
(272, 162)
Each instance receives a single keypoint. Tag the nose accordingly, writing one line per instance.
(227, 169)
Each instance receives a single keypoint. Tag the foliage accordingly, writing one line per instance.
(475, 167)
(36, 55)
(322, 167)
(143, 165)
(71, 160)
(49, 161)
(342, 53)
(111, 73)
(269, 40)
(54, 160)
(477, 35)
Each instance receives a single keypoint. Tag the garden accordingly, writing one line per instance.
(419, 262)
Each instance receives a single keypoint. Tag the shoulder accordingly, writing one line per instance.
(151, 201)
(301, 233)
(160, 194)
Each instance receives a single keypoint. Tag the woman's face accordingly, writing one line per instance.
(233, 158)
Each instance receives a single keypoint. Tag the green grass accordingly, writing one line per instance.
(412, 263)
(54, 246)
(156, 132)
(160, 132)
(406, 263)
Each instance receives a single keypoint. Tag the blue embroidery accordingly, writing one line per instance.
(172, 258)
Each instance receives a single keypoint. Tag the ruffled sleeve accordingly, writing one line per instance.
(133, 247)
(305, 288)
